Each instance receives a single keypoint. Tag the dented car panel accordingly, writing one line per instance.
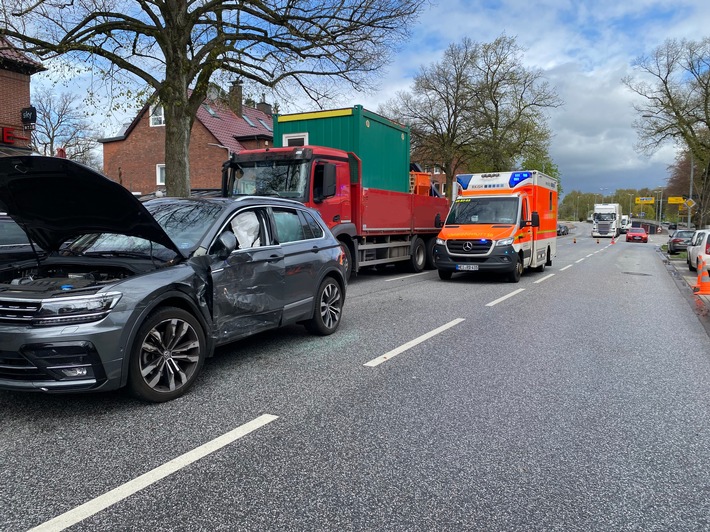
(142, 303)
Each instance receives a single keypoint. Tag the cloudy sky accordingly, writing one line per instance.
(584, 48)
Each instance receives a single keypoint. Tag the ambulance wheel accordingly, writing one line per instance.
(514, 276)
(444, 275)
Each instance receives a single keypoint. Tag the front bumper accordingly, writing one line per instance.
(88, 357)
(498, 259)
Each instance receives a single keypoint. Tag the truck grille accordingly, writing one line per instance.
(14, 311)
(469, 247)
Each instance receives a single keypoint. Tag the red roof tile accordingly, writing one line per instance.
(227, 127)
(13, 59)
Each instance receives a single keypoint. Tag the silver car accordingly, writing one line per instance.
(137, 294)
(698, 250)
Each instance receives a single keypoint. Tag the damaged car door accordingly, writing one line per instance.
(248, 284)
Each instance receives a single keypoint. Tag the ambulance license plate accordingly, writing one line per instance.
(467, 267)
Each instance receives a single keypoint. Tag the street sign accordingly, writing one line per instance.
(642, 200)
(676, 200)
(690, 203)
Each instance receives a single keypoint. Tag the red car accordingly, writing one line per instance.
(636, 234)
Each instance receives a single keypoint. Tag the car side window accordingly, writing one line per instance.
(289, 227)
(247, 228)
(313, 228)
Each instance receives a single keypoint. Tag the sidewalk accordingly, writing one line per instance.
(688, 278)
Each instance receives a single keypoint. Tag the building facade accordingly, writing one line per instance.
(136, 158)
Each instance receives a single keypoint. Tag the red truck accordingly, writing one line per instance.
(352, 166)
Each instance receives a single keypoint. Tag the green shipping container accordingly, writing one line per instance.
(382, 145)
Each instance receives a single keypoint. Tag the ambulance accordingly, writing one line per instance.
(501, 222)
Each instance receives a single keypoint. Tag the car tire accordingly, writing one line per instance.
(329, 308)
(167, 355)
(445, 275)
(514, 276)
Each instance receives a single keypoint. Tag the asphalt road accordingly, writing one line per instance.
(576, 399)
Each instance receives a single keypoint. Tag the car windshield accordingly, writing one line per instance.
(286, 179)
(483, 211)
(185, 222)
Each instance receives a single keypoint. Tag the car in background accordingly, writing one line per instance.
(698, 250)
(636, 234)
(679, 240)
(139, 294)
(562, 229)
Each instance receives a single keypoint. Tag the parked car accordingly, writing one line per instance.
(145, 291)
(698, 250)
(636, 234)
(672, 226)
(14, 244)
(562, 229)
(679, 240)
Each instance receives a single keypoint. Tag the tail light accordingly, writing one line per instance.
(707, 247)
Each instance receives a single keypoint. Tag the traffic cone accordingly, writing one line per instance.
(702, 288)
(574, 240)
(597, 240)
(612, 240)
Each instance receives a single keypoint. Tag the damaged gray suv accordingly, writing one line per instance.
(125, 293)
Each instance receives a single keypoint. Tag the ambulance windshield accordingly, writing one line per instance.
(475, 210)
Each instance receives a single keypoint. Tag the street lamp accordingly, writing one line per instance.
(602, 189)
(660, 206)
(630, 197)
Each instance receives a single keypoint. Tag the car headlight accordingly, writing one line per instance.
(441, 241)
(79, 309)
(506, 241)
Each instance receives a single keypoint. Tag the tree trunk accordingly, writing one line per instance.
(178, 125)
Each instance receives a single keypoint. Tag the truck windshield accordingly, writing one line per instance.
(483, 211)
(286, 179)
(604, 216)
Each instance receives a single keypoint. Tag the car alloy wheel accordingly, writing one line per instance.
(168, 354)
(329, 306)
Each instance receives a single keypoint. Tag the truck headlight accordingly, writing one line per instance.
(506, 241)
(441, 241)
(72, 310)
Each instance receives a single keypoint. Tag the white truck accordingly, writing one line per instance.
(606, 221)
(625, 222)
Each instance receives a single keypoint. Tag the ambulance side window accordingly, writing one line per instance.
(524, 215)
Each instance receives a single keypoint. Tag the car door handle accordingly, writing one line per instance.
(273, 258)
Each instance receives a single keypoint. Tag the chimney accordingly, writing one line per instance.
(235, 98)
(263, 106)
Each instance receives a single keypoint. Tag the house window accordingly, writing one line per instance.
(157, 115)
(295, 139)
(160, 174)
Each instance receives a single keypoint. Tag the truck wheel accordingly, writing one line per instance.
(418, 259)
(514, 276)
(430, 243)
(167, 355)
(347, 260)
(444, 275)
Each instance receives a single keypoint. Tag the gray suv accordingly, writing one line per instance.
(138, 294)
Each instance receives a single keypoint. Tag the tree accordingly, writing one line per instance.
(61, 124)
(176, 46)
(478, 108)
(674, 87)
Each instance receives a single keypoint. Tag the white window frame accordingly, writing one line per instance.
(157, 119)
(295, 136)
(160, 175)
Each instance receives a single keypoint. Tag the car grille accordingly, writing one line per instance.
(469, 247)
(13, 311)
(15, 367)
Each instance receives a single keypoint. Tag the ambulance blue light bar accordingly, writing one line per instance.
(517, 177)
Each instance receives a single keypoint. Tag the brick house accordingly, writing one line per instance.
(136, 158)
(15, 71)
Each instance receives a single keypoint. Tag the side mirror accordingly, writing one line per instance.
(226, 243)
(329, 181)
(535, 219)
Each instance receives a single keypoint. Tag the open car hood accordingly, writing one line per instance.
(56, 199)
